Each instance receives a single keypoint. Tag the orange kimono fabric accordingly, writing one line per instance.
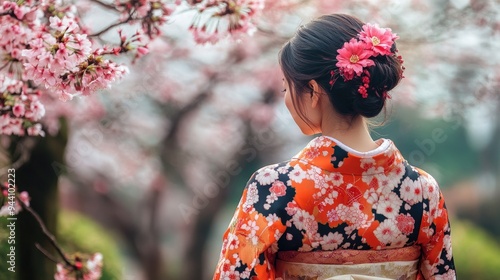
(330, 197)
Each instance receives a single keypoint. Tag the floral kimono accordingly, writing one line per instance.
(335, 213)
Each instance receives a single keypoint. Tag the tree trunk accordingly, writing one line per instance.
(193, 268)
(38, 177)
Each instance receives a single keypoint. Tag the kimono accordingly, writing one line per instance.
(332, 212)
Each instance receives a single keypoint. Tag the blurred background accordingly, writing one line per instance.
(150, 171)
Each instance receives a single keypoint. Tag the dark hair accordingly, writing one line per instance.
(311, 55)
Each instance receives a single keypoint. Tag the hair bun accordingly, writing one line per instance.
(368, 107)
(384, 76)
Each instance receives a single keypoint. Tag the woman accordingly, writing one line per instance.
(346, 206)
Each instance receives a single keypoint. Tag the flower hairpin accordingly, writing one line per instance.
(354, 58)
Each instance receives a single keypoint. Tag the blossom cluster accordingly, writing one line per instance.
(135, 42)
(355, 56)
(16, 23)
(151, 14)
(46, 50)
(218, 19)
(89, 269)
(21, 109)
(46, 47)
(61, 59)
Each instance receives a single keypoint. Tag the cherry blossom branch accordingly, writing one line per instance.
(46, 232)
(104, 5)
(11, 14)
(45, 253)
(111, 26)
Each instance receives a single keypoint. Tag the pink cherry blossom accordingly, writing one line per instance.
(201, 36)
(379, 39)
(25, 198)
(152, 14)
(84, 270)
(65, 24)
(352, 58)
(94, 266)
(36, 110)
(18, 110)
(142, 50)
(225, 18)
(16, 127)
(36, 130)
(134, 42)
(8, 209)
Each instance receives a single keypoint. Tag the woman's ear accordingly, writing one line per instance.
(315, 93)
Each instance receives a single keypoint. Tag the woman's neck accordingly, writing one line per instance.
(354, 134)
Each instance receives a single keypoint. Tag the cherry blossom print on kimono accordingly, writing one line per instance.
(330, 197)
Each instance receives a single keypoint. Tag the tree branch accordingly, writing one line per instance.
(104, 5)
(49, 235)
(186, 110)
(110, 27)
(45, 253)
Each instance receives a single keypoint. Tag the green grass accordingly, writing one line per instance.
(477, 254)
(4, 250)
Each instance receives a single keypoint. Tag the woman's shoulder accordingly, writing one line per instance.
(269, 174)
(422, 176)
(421, 181)
(269, 190)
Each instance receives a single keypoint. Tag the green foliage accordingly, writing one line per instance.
(80, 234)
(439, 146)
(484, 215)
(477, 254)
(76, 234)
(4, 250)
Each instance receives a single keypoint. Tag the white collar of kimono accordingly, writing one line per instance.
(380, 149)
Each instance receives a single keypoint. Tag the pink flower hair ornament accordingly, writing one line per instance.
(354, 58)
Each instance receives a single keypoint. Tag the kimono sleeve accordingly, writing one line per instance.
(250, 242)
(435, 235)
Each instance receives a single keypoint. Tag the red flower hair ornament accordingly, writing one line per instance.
(354, 58)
